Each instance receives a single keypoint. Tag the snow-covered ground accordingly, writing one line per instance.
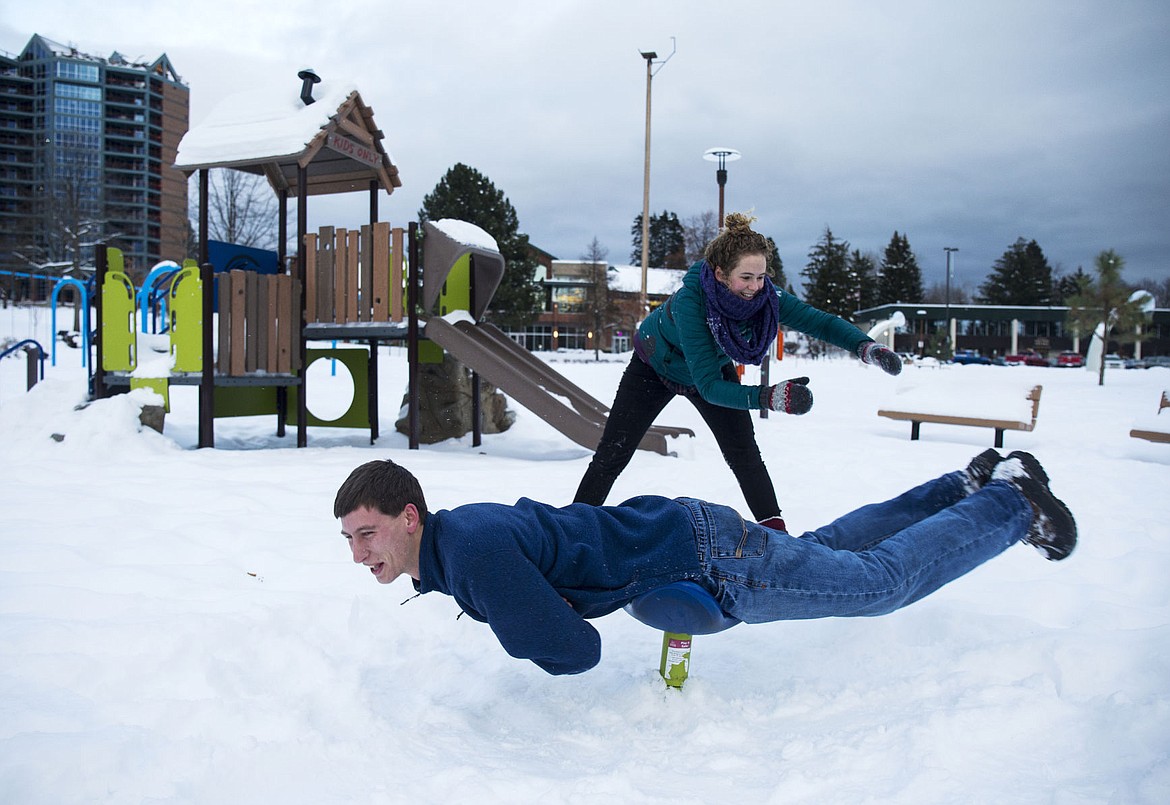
(186, 626)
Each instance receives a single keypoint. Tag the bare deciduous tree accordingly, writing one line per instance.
(241, 209)
(598, 302)
(698, 231)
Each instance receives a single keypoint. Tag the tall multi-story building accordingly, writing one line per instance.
(87, 146)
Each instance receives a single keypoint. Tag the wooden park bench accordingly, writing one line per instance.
(916, 419)
(1149, 431)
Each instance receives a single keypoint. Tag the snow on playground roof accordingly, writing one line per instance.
(271, 134)
(659, 281)
(466, 233)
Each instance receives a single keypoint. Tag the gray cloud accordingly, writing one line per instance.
(963, 127)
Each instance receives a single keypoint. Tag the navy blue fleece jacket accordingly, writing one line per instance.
(515, 567)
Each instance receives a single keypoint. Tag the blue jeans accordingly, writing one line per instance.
(871, 561)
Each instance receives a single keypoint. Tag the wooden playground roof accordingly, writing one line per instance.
(334, 139)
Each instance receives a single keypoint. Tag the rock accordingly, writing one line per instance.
(153, 417)
(445, 403)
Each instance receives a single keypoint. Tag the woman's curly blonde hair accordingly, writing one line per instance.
(736, 240)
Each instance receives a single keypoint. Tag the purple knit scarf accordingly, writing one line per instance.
(726, 313)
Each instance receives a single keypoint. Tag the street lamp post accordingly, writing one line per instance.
(651, 59)
(950, 336)
(721, 156)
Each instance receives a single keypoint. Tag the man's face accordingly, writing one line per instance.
(387, 545)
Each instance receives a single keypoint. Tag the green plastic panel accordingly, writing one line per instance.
(158, 384)
(456, 291)
(429, 352)
(119, 341)
(186, 326)
(358, 414)
(245, 401)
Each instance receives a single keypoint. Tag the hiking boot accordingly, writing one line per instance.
(1053, 531)
(1031, 465)
(979, 471)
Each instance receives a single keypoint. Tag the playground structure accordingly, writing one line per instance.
(359, 284)
(356, 288)
(355, 285)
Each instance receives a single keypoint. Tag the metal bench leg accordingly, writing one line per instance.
(914, 431)
(999, 437)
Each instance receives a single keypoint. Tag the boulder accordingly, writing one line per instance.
(445, 403)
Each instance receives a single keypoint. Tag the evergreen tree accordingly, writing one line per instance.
(901, 279)
(777, 267)
(1105, 302)
(828, 284)
(668, 243)
(863, 275)
(1020, 277)
(467, 195)
(1069, 286)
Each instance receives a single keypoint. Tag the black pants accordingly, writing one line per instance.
(641, 396)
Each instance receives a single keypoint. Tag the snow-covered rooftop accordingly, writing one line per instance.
(273, 133)
(659, 281)
(248, 127)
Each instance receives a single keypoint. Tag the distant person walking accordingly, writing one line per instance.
(726, 312)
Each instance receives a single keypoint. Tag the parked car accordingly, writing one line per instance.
(1073, 359)
(1162, 361)
(1114, 361)
(1027, 358)
(967, 356)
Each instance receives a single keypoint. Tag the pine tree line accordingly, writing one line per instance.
(837, 278)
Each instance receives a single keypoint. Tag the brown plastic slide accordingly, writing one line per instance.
(534, 384)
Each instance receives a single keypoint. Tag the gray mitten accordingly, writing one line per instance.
(882, 357)
(791, 396)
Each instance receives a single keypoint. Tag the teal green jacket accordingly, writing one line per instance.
(678, 345)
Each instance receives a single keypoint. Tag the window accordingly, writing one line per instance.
(77, 70)
(72, 106)
(63, 90)
(83, 124)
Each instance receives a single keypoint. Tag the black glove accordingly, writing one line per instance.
(882, 357)
(791, 396)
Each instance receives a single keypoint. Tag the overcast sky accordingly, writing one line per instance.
(958, 124)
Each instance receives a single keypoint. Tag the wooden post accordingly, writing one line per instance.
(372, 391)
(99, 374)
(35, 356)
(207, 379)
(476, 406)
(378, 278)
(397, 261)
(302, 225)
(237, 329)
(366, 294)
(310, 277)
(335, 282)
(412, 339)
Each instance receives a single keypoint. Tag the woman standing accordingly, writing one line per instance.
(726, 311)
